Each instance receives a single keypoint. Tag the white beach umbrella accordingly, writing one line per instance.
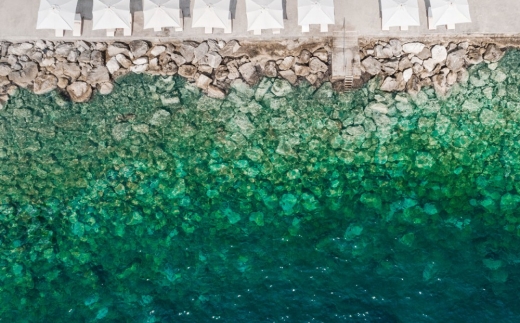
(111, 14)
(315, 12)
(450, 12)
(264, 14)
(211, 14)
(56, 14)
(400, 13)
(161, 13)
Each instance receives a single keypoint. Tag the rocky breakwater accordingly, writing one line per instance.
(80, 68)
(413, 65)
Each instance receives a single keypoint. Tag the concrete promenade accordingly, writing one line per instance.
(490, 17)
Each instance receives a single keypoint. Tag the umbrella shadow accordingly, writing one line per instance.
(428, 5)
(284, 7)
(233, 8)
(136, 5)
(185, 8)
(85, 8)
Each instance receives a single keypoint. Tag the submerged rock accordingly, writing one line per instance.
(79, 91)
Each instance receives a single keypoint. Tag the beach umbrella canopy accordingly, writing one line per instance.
(400, 13)
(161, 13)
(111, 14)
(317, 12)
(212, 14)
(56, 14)
(264, 14)
(446, 12)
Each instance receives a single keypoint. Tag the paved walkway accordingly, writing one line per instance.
(18, 22)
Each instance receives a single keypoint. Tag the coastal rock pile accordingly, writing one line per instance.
(413, 65)
(80, 68)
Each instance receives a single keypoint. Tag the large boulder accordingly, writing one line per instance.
(372, 66)
(248, 72)
(439, 54)
(25, 76)
(316, 65)
(79, 91)
(493, 54)
(413, 48)
(5, 69)
(98, 75)
(200, 52)
(455, 60)
(45, 84)
(138, 48)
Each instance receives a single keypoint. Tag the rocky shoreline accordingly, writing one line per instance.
(79, 68)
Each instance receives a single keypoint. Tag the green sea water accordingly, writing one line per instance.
(157, 203)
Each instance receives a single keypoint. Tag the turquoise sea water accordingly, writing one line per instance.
(279, 204)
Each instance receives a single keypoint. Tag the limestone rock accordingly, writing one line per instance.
(493, 54)
(322, 54)
(474, 57)
(178, 59)
(187, 71)
(413, 48)
(270, 69)
(439, 54)
(289, 75)
(391, 66)
(5, 69)
(424, 54)
(105, 88)
(316, 65)
(140, 60)
(112, 65)
(123, 60)
(213, 59)
(138, 69)
(200, 52)
(20, 49)
(157, 50)
(230, 48)
(395, 45)
(203, 82)
(98, 75)
(248, 72)
(118, 48)
(45, 84)
(455, 60)
(407, 74)
(304, 57)
(96, 58)
(79, 91)
(215, 92)
(63, 82)
(389, 84)
(138, 48)
(372, 65)
(25, 76)
(383, 52)
(287, 63)
(404, 64)
(301, 70)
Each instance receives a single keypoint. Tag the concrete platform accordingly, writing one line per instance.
(18, 22)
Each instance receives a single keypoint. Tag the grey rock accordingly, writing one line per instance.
(249, 74)
(5, 69)
(118, 48)
(439, 54)
(187, 50)
(140, 60)
(63, 82)
(64, 49)
(389, 84)
(138, 48)
(474, 57)
(215, 92)
(213, 59)
(105, 88)
(84, 57)
(304, 57)
(96, 58)
(404, 64)
(316, 65)
(45, 84)
(439, 84)
(301, 70)
(98, 75)
(396, 47)
(123, 60)
(230, 48)
(200, 52)
(424, 54)
(178, 59)
(289, 75)
(287, 63)
(455, 60)
(203, 82)
(413, 48)
(383, 52)
(20, 49)
(270, 69)
(372, 65)
(407, 74)
(113, 65)
(138, 69)
(493, 54)
(221, 73)
(451, 78)
(79, 91)
(157, 50)
(187, 71)
(48, 62)
(322, 54)
(25, 76)
(73, 56)
(391, 66)
(429, 64)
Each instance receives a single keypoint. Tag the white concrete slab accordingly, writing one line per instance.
(18, 22)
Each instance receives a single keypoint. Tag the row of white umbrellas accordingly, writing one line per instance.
(404, 13)
(261, 14)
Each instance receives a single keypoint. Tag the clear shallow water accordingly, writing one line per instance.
(159, 204)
